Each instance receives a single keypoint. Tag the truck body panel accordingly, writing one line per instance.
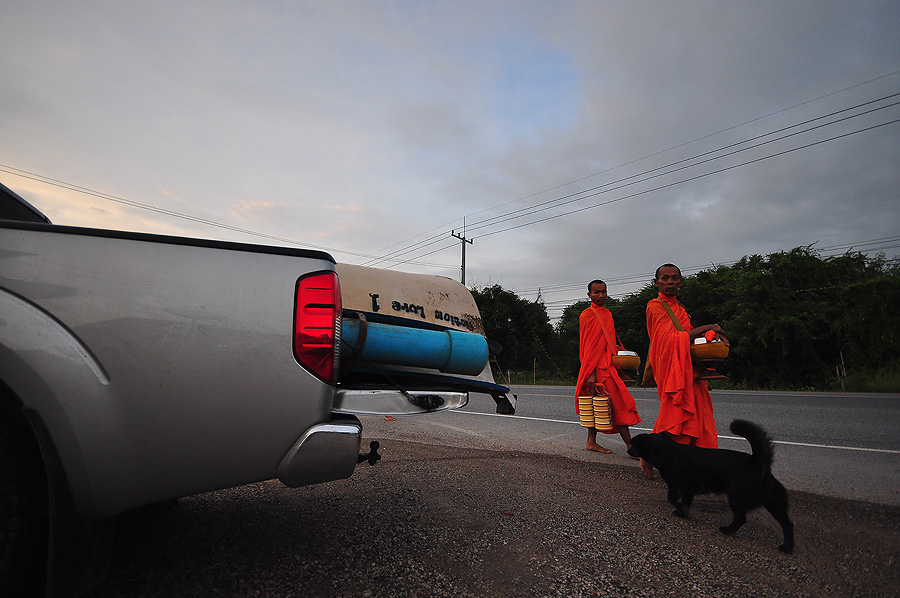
(189, 369)
(138, 368)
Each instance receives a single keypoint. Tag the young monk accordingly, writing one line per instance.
(685, 407)
(597, 345)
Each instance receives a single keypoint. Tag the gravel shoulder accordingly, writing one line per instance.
(433, 520)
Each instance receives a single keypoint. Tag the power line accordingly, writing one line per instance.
(135, 204)
(543, 206)
(586, 194)
(558, 305)
(689, 179)
(674, 183)
(684, 166)
(433, 239)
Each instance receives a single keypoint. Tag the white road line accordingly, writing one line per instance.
(785, 442)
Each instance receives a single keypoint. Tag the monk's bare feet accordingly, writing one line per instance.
(597, 447)
(647, 469)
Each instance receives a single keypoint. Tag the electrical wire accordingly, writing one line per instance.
(135, 204)
(667, 185)
(559, 305)
(443, 234)
(503, 218)
(632, 180)
(395, 258)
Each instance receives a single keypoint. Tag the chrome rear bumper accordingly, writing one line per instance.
(395, 402)
(324, 453)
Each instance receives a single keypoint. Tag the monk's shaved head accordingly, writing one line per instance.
(667, 266)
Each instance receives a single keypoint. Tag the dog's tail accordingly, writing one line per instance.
(760, 441)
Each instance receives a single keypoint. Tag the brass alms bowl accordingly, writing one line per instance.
(706, 357)
(709, 351)
(626, 362)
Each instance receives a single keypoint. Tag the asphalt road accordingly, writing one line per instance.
(469, 504)
(841, 445)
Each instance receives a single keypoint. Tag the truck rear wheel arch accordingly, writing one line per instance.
(24, 503)
(53, 549)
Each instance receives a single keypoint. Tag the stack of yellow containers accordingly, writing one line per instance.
(594, 410)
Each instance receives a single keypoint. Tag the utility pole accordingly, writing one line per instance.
(462, 237)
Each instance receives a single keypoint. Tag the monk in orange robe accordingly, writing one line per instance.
(597, 346)
(685, 407)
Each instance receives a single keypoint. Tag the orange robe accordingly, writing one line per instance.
(597, 334)
(685, 407)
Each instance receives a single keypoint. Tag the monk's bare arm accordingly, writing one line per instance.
(701, 330)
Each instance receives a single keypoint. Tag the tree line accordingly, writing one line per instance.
(795, 320)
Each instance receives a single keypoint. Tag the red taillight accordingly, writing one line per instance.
(317, 324)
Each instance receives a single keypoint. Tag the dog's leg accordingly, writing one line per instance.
(737, 521)
(739, 515)
(777, 505)
(675, 500)
(787, 528)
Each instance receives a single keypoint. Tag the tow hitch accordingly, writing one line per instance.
(372, 456)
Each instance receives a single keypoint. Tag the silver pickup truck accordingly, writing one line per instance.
(137, 368)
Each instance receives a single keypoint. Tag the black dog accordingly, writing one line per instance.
(746, 479)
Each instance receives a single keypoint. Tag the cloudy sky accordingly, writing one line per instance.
(569, 140)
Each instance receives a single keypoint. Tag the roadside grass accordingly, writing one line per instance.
(882, 381)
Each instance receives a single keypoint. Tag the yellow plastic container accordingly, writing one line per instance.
(594, 412)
